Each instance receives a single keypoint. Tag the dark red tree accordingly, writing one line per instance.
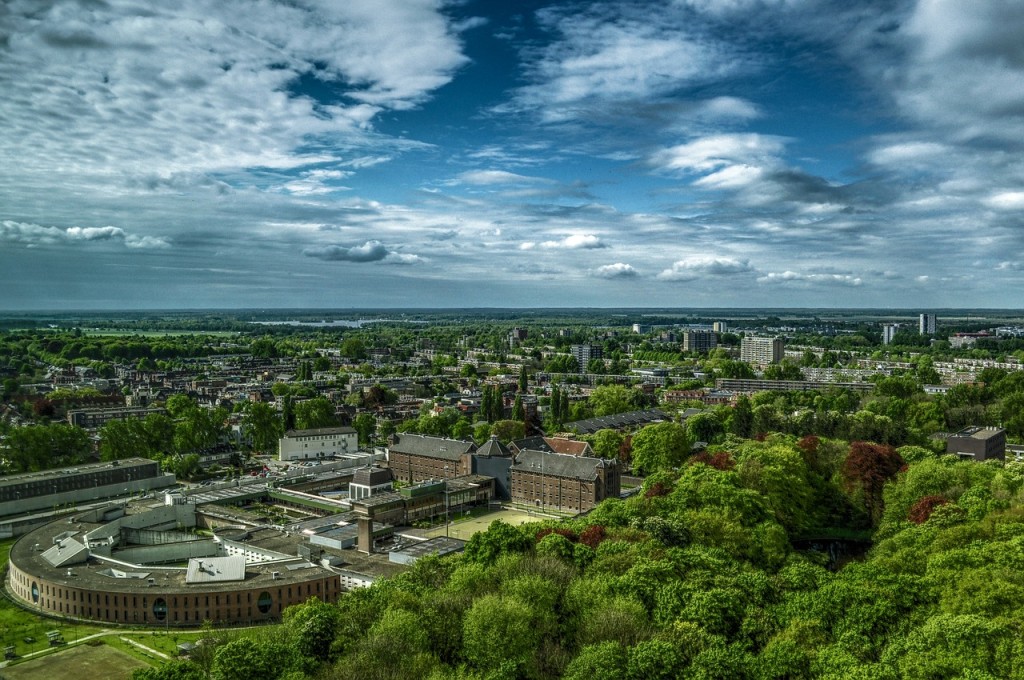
(924, 507)
(593, 535)
(867, 468)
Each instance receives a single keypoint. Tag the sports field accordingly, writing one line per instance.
(465, 528)
(74, 663)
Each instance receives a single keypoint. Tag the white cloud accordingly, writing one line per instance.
(619, 270)
(490, 177)
(825, 279)
(717, 152)
(371, 251)
(33, 235)
(571, 242)
(207, 85)
(1006, 200)
(700, 267)
(615, 53)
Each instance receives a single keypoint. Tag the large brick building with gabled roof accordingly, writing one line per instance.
(563, 482)
(416, 457)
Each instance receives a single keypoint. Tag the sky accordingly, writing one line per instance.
(491, 153)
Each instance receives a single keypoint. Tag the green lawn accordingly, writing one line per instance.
(83, 661)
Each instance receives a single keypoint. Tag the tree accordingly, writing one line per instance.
(508, 619)
(314, 413)
(606, 443)
(523, 381)
(500, 538)
(123, 439)
(660, 447)
(741, 420)
(175, 669)
(365, 425)
(508, 430)
(312, 627)
(608, 400)
(704, 427)
(866, 470)
(249, 659)
(603, 661)
(262, 425)
(517, 409)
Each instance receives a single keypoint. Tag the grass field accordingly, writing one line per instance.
(465, 528)
(81, 661)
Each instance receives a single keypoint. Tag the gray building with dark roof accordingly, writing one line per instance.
(979, 443)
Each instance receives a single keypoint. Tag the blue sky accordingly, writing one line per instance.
(404, 153)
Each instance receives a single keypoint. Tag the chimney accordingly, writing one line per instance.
(364, 542)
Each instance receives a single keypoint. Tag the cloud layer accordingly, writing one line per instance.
(745, 152)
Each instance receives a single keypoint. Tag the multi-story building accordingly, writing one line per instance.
(415, 458)
(584, 353)
(318, 443)
(979, 443)
(368, 481)
(563, 482)
(42, 490)
(926, 325)
(889, 332)
(721, 327)
(89, 418)
(699, 341)
(762, 351)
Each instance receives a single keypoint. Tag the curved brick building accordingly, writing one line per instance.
(148, 568)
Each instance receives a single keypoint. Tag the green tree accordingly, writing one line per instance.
(608, 400)
(517, 409)
(365, 425)
(660, 447)
(508, 619)
(603, 661)
(315, 413)
(607, 442)
(123, 439)
(250, 659)
(508, 430)
(312, 627)
(262, 424)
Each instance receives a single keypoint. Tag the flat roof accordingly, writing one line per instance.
(62, 473)
(101, 575)
(442, 545)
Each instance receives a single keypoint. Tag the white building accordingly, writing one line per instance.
(889, 331)
(927, 324)
(760, 351)
(315, 444)
(368, 481)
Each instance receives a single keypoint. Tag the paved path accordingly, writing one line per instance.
(144, 648)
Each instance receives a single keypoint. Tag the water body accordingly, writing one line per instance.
(336, 323)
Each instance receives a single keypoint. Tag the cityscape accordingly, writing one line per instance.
(199, 487)
(536, 340)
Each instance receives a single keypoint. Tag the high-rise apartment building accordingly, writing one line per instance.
(761, 351)
(927, 325)
(721, 327)
(699, 341)
(889, 331)
(584, 353)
